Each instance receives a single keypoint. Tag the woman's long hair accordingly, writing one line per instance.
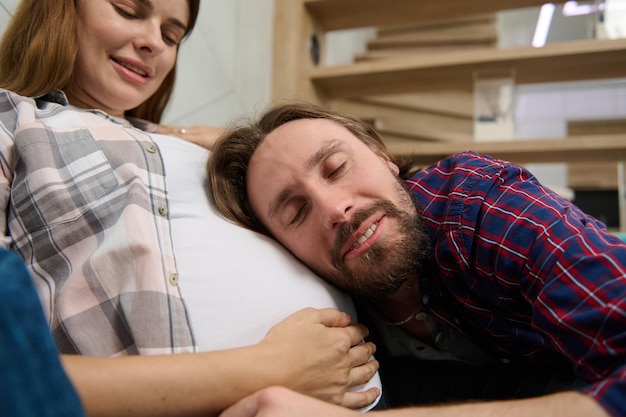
(39, 48)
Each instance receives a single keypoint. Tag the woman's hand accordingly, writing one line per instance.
(201, 135)
(322, 355)
(312, 351)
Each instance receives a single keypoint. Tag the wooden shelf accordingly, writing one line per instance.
(300, 27)
(300, 74)
(347, 14)
(565, 61)
(608, 147)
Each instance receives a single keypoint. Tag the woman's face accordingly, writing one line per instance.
(126, 48)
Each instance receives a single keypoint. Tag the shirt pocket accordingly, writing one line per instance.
(58, 176)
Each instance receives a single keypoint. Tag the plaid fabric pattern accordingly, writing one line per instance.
(523, 270)
(88, 214)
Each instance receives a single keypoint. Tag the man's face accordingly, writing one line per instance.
(337, 205)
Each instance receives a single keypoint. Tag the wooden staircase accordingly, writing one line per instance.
(442, 116)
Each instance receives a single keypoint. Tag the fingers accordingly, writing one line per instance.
(356, 400)
(247, 407)
(331, 317)
(357, 333)
(281, 402)
(362, 353)
(361, 374)
(205, 136)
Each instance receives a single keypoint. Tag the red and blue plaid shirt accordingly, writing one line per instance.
(524, 271)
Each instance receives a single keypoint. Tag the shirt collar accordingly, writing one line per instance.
(59, 97)
(54, 96)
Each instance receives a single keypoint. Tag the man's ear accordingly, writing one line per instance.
(392, 166)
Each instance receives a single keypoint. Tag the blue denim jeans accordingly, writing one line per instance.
(32, 379)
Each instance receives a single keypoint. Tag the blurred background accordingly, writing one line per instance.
(225, 73)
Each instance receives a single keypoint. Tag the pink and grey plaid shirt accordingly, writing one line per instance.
(86, 208)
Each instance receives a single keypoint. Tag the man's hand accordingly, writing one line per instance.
(281, 402)
(323, 356)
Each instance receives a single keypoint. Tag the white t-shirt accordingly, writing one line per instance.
(236, 283)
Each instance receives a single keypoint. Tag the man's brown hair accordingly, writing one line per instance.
(229, 161)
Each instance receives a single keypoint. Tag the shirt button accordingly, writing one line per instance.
(425, 299)
(162, 210)
(173, 278)
(421, 316)
(151, 147)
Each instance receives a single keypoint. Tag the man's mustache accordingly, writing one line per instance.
(347, 229)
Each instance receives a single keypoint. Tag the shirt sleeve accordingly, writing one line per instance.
(572, 273)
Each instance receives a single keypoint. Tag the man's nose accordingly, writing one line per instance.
(335, 207)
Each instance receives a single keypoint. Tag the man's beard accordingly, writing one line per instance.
(386, 265)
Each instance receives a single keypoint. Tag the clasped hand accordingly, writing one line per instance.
(323, 355)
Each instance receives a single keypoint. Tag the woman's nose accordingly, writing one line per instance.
(150, 40)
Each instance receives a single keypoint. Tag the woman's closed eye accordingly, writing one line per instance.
(171, 33)
(172, 39)
(126, 12)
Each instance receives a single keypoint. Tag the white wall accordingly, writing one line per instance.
(226, 64)
(224, 70)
